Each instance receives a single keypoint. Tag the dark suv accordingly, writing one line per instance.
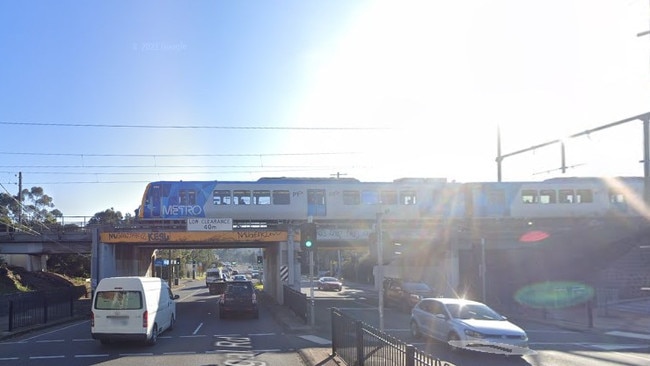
(404, 294)
(239, 297)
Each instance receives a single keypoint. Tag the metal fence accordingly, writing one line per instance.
(33, 308)
(360, 344)
(296, 301)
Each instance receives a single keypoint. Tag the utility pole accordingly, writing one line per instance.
(20, 197)
(379, 281)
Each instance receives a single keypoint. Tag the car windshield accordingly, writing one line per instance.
(329, 279)
(473, 311)
(414, 286)
(239, 289)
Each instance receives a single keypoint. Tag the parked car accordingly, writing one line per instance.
(405, 294)
(239, 277)
(238, 298)
(466, 324)
(329, 283)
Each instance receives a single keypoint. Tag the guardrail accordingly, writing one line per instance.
(296, 301)
(358, 344)
(32, 308)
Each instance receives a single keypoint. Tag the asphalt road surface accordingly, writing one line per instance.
(551, 345)
(199, 337)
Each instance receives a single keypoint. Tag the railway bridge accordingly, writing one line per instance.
(451, 254)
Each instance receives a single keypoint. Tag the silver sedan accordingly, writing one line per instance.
(466, 324)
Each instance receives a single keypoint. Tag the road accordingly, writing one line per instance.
(199, 337)
(551, 345)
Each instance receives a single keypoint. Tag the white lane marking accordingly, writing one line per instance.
(616, 347)
(91, 356)
(197, 328)
(8, 358)
(179, 353)
(193, 336)
(56, 330)
(629, 334)
(45, 357)
(315, 339)
(83, 340)
(262, 334)
(50, 341)
(135, 354)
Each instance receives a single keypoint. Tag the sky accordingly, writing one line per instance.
(99, 98)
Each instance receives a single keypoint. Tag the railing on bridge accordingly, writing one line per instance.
(358, 343)
(32, 308)
(296, 301)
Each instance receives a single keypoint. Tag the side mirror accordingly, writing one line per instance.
(176, 297)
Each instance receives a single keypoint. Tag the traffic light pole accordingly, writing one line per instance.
(380, 270)
(312, 311)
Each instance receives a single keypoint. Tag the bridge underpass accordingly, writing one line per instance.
(443, 253)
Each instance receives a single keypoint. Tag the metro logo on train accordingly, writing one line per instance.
(336, 199)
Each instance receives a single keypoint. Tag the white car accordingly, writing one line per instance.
(466, 324)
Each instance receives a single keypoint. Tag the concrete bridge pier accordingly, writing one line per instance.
(31, 262)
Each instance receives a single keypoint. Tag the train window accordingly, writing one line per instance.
(221, 197)
(616, 197)
(370, 198)
(496, 197)
(566, 196)
(388, 197)
(529, 196)
(408, 197)
(241, 197)
(584, 196)
(187, 197)
(351, 198)
(547, 196)
(281, 198)
(262, 197)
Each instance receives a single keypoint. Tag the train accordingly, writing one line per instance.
(345, 199)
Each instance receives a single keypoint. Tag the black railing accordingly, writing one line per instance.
(27, 309)
(296, 301)
(358, 344)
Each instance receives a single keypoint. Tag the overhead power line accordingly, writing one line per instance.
(192, 127)
(176, 155)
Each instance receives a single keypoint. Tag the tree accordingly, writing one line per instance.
(108, 216)
(31, 208)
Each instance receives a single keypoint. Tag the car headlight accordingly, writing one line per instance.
(474, 334)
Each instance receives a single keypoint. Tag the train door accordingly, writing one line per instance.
(155, 200)
(316, 202)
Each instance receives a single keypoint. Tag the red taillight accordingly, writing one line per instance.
(145, 319)
(92, 319)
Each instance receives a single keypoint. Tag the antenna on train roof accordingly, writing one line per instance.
(338, 175)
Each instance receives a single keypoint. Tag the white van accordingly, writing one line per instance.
(132, 308)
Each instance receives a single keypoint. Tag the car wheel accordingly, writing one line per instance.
(154, 335)
(451, 341)
(415, 330)
(339, 289)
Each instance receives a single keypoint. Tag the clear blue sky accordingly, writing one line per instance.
(96, 99)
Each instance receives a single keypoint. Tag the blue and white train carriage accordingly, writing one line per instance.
(336, 199)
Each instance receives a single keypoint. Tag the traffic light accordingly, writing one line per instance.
(178, 261)
(260, 259)
(308, 237)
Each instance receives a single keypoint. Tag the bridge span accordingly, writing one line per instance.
(441, 252)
